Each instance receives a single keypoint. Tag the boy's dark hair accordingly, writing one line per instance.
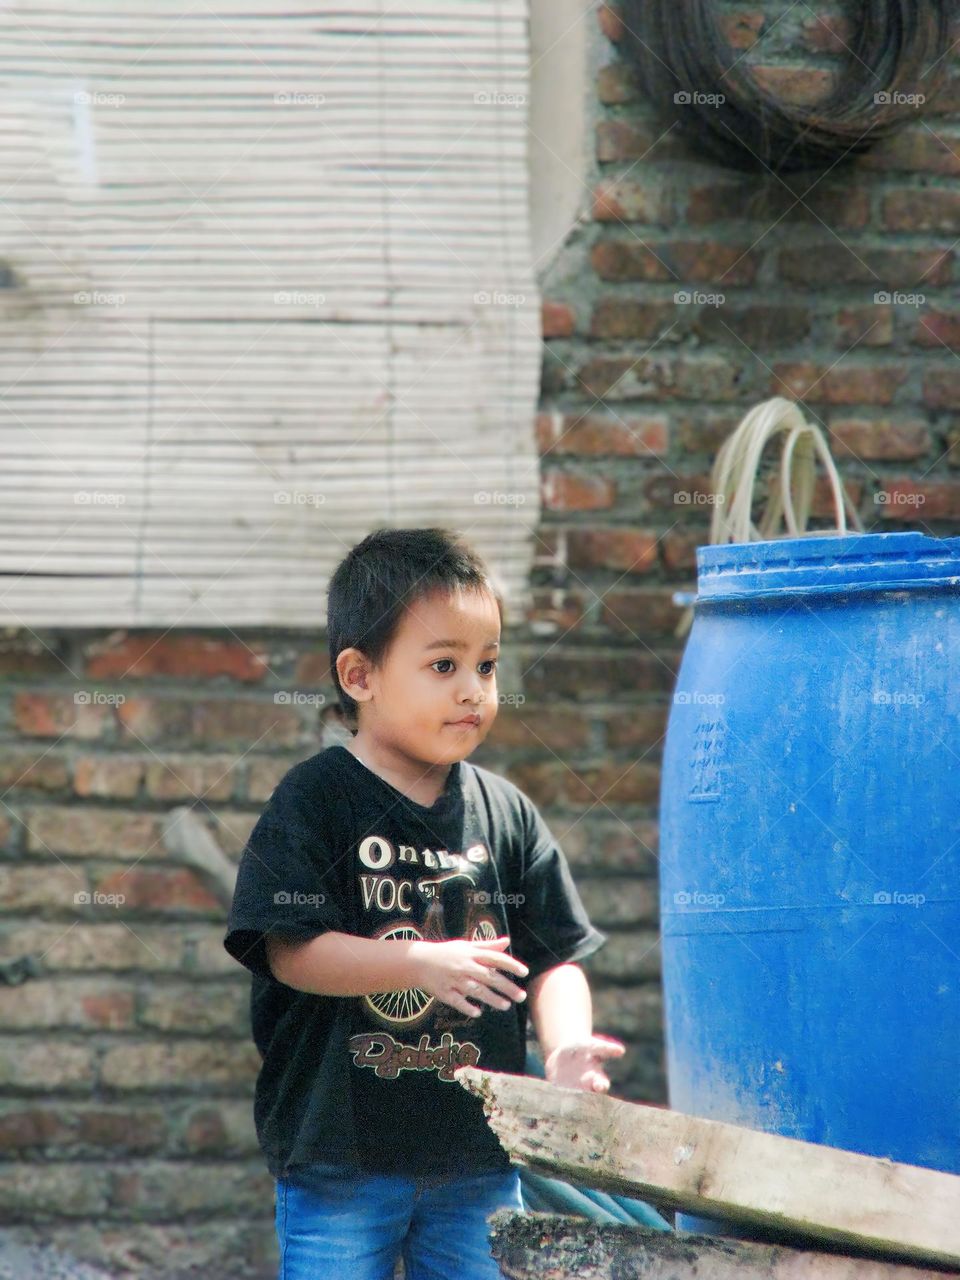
(384, 574)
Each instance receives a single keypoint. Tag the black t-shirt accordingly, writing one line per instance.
(368, 1080)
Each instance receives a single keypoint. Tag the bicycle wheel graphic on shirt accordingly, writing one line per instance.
(400, 1008)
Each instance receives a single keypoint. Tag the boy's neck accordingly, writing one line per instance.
(423, 784)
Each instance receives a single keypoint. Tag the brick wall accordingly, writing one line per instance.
(126, 1068)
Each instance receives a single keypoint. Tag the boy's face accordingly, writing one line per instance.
(439, 669)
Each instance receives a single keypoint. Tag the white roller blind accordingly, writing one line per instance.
(268, 287)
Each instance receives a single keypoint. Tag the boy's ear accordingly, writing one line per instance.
(352, 674)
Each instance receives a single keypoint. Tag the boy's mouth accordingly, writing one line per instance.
(468, 722)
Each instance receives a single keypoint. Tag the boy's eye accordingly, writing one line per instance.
(489, 662)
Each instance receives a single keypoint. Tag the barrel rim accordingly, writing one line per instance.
(826, 564)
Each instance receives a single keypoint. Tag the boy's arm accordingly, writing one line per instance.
(562, 1015)
(341, 964)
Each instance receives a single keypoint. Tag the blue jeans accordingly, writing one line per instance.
(339, 1224)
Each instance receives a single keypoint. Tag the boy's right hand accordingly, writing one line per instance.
(458, 971)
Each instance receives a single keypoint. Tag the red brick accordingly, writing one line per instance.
(611, 22)
(118, 777)
(29, 656)
(313, 668)
(40, 887)
(632, 201)
(870, 326)
(33, 770)
(41, 1065)
(941, 388)
(712, 262)
(86, 1005)
(263, 777)
(185, 778)
(591, 435)
(619, 141)
(916, 503)
(938, 329)
(628, 260)
(798, 86)
(607, 674)
(145, 889)
(558, 320)
(641, 728)
(832, 264)
(624, 318)
(882, 440)
(679, 549)
(56, 715)
(916, 149)
(85, 831)
(763, 325)
(181, 1064)
(140, 655)
(219, 721)
(541, 781)
(742, 28)
(845, 383)
(532, 726)
(573, 491)
(686, 378)
(928, 210)
(828, 33)
(614, 783)
(618, 901)
(629, 550)
(756, 200)
(705, 432)
(672, 491)
(647, 612)
(616, 84)
(556, 610)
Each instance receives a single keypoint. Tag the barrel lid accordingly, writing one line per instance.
(823, 564)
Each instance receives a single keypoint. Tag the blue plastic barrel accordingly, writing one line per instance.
(810, 846)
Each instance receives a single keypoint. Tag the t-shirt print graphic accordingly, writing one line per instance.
(456, 887)
(445, 897)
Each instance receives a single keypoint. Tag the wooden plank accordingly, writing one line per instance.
(532, 1246)
(724, 1171)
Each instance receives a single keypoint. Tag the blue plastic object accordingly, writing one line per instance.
(810, 846)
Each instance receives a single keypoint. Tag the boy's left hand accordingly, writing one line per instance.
(578, 1065)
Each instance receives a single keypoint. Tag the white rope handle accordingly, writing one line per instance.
(790, 496)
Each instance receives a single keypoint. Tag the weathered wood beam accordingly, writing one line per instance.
(554, 1247)
(723, 1171)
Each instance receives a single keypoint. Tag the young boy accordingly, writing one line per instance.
(400, 909)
